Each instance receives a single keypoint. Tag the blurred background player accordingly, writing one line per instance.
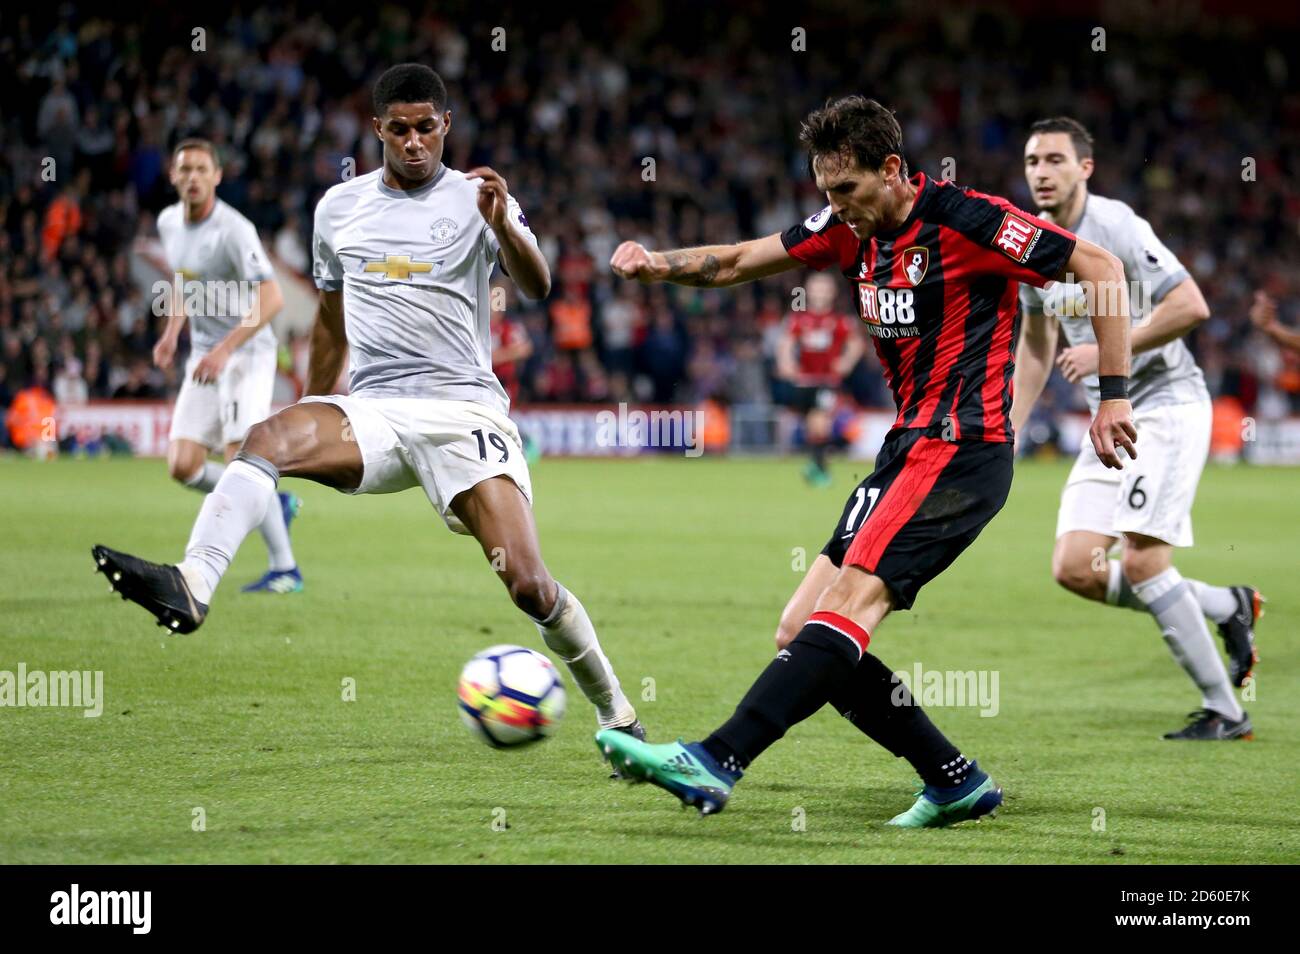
(1263, 315)
(511, 348)
(230, 374)
(816, 350)
(1149, 504)
(402, 258)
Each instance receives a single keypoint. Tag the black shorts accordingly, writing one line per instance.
(926, 502)
(804, 399)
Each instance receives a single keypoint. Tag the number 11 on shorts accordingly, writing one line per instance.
(867, 496)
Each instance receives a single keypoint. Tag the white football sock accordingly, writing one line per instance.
(206, 477)
(1217, 602)
(1169, 599)
(1118, 590)
(236, 505)
(568, 632)
(275, 534)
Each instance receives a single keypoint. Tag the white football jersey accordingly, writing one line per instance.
(414, 270)
(223, 253)
(1159, 377)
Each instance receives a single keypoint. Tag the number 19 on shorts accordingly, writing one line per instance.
(496, 440)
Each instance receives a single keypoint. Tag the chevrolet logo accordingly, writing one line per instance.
(398, 266)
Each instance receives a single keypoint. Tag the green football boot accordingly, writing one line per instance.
(975, 798)
(687, 771)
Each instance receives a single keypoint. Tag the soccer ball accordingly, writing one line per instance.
(510, 695)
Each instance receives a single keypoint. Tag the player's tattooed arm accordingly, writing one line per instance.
(692, 267)
(709, 266)
(329, 344)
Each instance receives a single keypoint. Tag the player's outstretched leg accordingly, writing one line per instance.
(497, 513)
(877, 703)
(816, 666)
(305, 440)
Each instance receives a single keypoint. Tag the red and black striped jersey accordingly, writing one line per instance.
(938, 295)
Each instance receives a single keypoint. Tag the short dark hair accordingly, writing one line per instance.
(194, 142)
(853, 127)
(409, 83)
(1079, 134)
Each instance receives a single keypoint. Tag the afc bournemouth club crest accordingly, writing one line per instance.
(916, 261)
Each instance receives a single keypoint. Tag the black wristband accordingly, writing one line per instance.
(1114, 387)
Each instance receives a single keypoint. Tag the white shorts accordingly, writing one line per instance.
(1152, 495)
(215, 415)
(445, 447)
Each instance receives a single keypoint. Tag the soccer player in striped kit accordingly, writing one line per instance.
(934, 270)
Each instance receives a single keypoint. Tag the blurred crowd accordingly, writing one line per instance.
(673, 124)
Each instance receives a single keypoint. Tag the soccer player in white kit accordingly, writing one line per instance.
(226, 288)
(402, 258)
(1149, 503)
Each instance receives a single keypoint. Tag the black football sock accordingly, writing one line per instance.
(819, 452)
(815, 667)
(880, 705)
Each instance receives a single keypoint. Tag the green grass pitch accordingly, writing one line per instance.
(684, 566)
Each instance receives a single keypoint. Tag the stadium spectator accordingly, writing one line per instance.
(574, 112)
(137, 386)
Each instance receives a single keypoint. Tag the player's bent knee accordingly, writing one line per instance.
(182, 471)
(264, 439)
(184, 465)
(786, 632)
(1142, 564)
(1075, 576)
(533, 593)
(276, 440)
(856, 594)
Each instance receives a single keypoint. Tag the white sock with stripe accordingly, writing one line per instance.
(568, 632)
(1118, 590)
(1169, 599)
(275, 534)
(236, 505)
